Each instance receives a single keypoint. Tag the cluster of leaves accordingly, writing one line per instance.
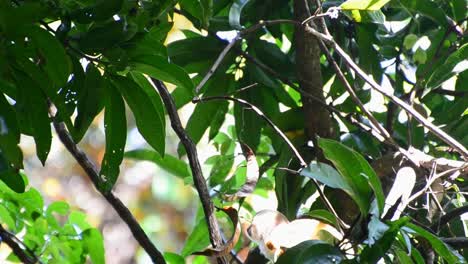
(53, 233)
(414, 45)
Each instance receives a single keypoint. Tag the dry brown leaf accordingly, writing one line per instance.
(229, 245)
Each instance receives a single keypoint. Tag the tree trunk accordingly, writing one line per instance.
(317, 118)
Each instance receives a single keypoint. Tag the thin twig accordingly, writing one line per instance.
(429, 182)
(231, 44)
(262, 115)
(353, 94)
(286, 140)
(18, 248)
(449, 216)
(425, 122)
(198, 179)
(116, 203)
(216, 64)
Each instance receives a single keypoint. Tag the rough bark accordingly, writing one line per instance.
(317, 118)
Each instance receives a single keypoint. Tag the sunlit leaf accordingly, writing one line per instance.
(235, 13)
(94, 244)
(357, 172)
(363, 4)
(447, 69)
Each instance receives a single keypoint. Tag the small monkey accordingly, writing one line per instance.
(273, 233)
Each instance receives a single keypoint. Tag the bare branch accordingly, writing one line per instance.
(18, 248)
(115, 202)
(198, 179)
(216, 64)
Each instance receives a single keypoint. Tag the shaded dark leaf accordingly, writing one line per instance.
(115, 126)
(151, 128)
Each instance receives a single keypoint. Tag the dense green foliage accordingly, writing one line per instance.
(84, 57)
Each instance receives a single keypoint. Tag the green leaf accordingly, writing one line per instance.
(34, 107)
(11, 177)
(60, 207)
(429, 9)
(363, 4)
(323, 215)
(102, 37)
(27, 13)
(327, 175)
(94, 244)
(198, 122)
(368, 56)
(9, 135)
(32, 201)
(101, 11)
(222, 165)
(442, 249)
(357, 173)
(158, 67)
(6, 218)
(248, 123)
(115, 125)
(459, 9)
(151, 128)
(197, 240)
(409, 41)
(207, 12)
(403, 257)
(446, 71)
(149, 44)
(173, 258)
(235, 13)
(152, 94)
(91, 101)
(79, 219)
(420, 56)
(367, 16)
(186, 51)
(54, 59)
(168, 163)
(311, 252)
(373, 252)
(8, 88)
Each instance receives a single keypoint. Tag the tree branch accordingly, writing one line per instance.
(425, 122)
(198, 179)
(115, 202)
(18, 248)
(449, 216)
(456, 242)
